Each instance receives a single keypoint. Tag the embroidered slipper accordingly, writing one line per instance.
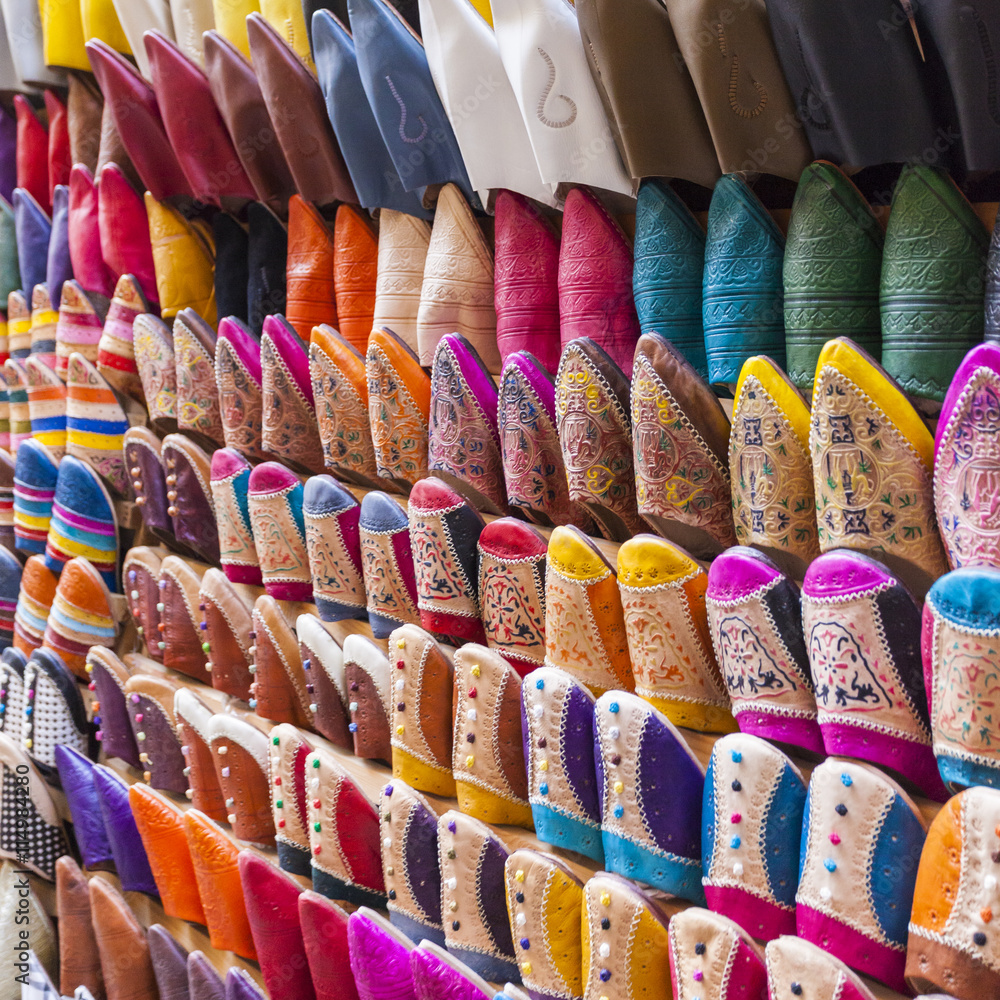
(44, 320)
(230, 478)
(197, 391)
(238, 375)
(275, 496)
(82, 316)
(387, 564)
(716, 955)
(793, 962)
(403, 239)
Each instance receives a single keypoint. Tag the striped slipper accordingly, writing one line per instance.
(36, 472)
(154, 357)
(81, 615)
(96, 423)
(4, 401)
(18, 325)
(116, 348)
(82, 316)
(6, 499)
(16, 376)
(34, 604)
(83, 522)
(44, 320)
(46, 406)
(10, 586)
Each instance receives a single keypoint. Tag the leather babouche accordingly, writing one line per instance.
(585, 627)
(862, 631)
(379, 955)
(833, 263)
(595, 279)
(402, 254)
(444, 532)
(732, 60)
(680, 439)
(950, 944)
(91, 272)
(489, 768)
(666, 622)
(214, 856)
(131, 862)
(368, 161)
(239, 750)
(310, 270)
(595, 434)
(241, 104)
(526, 290)
(755, 621)
(343, 835)
(116, 349)
(512, 591)
(32, 155)
(136, 19)
(644, 838)
(856, 818)
(287, 752)
(340, 392)
(715, 953)
(532, 456)
(545, 904)
(774, 511)
(355, 264)
(203, 980)
(298, 116)
(238, 374)
(387, 564)
(161, 826)
(226, 625)
(965, 460)
(274, 496)
(437, 972)
(399, 401)
(659, 125)
(63, 46)
(410, 862)
(272, 900)
(477, 928)
(873, 459)
(933, 273)
(463, 443)
(958, 645)
(267, 275)
(667, 275)
(76, 775)
(279, 688)
(752, 812)
(423, 718)
(54, 711)
(193, 717)
(33, 228)
(743, 315)
(81, 322)
(108, 675)
(457, 294)
(558, 722)
(289, 428)
(121, 944)
(123, 227)
(150, 704)
(79, 963)
(326, 684)
(181, 639)
(81, 615)
(197, 391)
(369, 680)
(324, 934)
(791, 962)
(627, 935)
(230, 483)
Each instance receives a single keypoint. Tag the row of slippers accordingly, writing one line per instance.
(405, 857)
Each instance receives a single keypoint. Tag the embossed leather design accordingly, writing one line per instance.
(275, 503)
(197, 391)
(279, 688)
(238, 374)
(932, 284)
(773, 503)
(399, 400)
(239, 750)
(340, 392)
(666, 622)
(833, 260)
(387, 564)
(965, 461)
(489, 769)
(872, 465)
(457, 294)
(310, 270)
(595, 280)
(230, 476)
(755, 615)
(743, 301)
(355, 241)
(402, 255)
(464, 446)
(595, 434)
(214, 857)
(380, 957)
(436, 973)
(667, 275)
(532, 456)
(298, 117)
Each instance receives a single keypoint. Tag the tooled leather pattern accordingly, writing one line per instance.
(462, 441)
(512, 598)
(241, 404)
(197, 390)
(289, 427)
(442, 567)
(335, 574)
(532, 458)
(872, 489)
(281, 548)
(384, 972)
(355, 268)
(967, 474)
(236, 544)
(399, 430)
(677, 477)
(402, 253)
(772, 488)
(342, 416)
(389, 594)
(157, 369)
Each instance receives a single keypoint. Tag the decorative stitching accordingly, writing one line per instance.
(542, 117)
(402, 120)
(734, 75)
